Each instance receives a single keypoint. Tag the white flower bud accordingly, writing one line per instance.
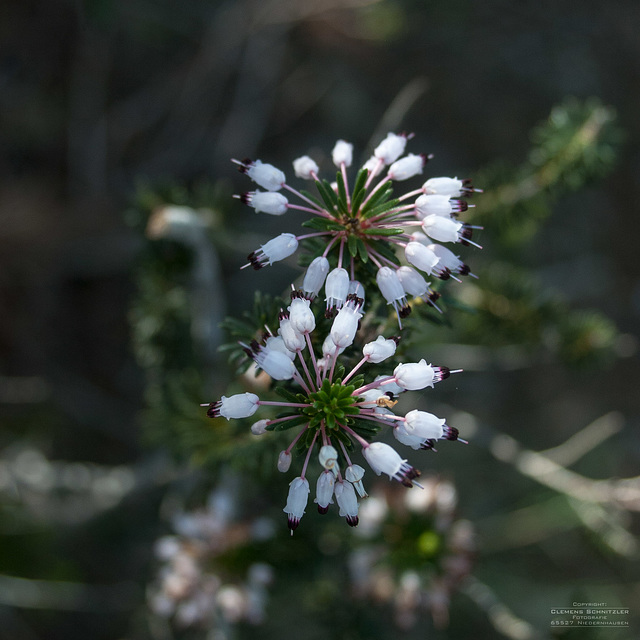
(266, 175)
(241, 405)
(407, 167)
(391, 148)
(324, 491)
(354, 474)
(284, 461)
(380, 349)
(418, 236)
(347, 501)
(276, 343)
(296, 501)
(315, 276)
(342, 152)
(345, 324)
(260, 427)
(420, 257)
(301, 316)
(450, 187)
(424, 425)
(336, 288)
(269, 202)
(384, 459)
(442, 229)
(305, 168)
(433, 205)
(328, 458)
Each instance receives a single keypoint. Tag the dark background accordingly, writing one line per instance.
(98, 96)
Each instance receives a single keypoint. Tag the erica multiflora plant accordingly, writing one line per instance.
(330, 399)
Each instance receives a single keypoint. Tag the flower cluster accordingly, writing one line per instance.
(365, 226)
(333, 409)
(425, 528)
(189, 590)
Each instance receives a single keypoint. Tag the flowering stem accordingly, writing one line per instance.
(277, 403)
(374, 385)
(346, 455)
(342, 242)
(333, 363)
(371, 417)
(300, 380)
(308, 210)
(304, 366)
(306, 460)
(343, 169)
(313, 358)
(353, 434)
(355, 369)
(328, 248)
(410, 194)
(373, 173)
(275, 420)
(376, 188)
(316, 208)
(293, 442)
(312, 235)
(382, 258)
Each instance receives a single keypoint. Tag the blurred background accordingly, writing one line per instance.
(110, 110)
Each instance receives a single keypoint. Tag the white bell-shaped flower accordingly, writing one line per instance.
(373, 165)
(380, 349)
(324, 491)
(301, 316)
(296, 501)
(305, 168)
(336, 288)
(401, 435)
(356, 289)
(276, 249)
(407, 167)
(391, 148)
(451, 187)
(265, 175)
(342, 153)
(275, 363)
(293, 340)
(392, 291)
(345, 324)
(347, 501)
(315, 276)
(269, 202)
(427, 205)
(424, 425)
(384, 459)
(284, 461)
(276, 343)
(442, 229)
(412, 281)
(418, 375)
(354, 474)
(449, 260)
(241, 405)
(259, 428)
(420, 257)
